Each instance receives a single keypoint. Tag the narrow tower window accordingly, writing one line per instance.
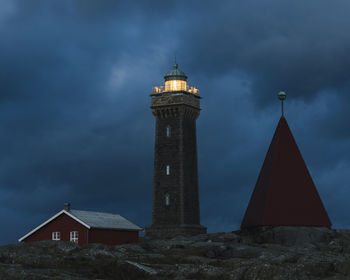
(168, 131)
(168, 170)
(167, 200)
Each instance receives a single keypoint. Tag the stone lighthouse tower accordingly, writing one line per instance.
(176, 107)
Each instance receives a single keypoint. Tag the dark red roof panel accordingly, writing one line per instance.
(285, 194)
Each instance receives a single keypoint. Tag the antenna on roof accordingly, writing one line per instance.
(282, 96)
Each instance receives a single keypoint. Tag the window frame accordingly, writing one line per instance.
(56, 235)
(74, 236)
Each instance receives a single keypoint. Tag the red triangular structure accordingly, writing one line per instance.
(285, 194)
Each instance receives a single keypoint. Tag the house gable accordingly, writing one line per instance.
(52, 219)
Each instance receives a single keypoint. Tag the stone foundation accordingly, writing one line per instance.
(172, 231)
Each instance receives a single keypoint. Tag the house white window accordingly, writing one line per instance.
(168, 131)
(167, 200)
(74, 236)
(168, 170)
(56, 235)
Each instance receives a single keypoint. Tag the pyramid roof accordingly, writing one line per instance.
(285, 194)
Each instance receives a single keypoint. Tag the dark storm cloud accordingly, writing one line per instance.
(66, 134)
(75, 78)
(299, 47)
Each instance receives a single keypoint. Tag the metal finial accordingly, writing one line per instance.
(282, 96)
(176, 66)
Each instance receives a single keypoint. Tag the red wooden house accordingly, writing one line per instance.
(85, 227)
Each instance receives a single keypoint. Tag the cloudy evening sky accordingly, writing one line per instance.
(75, 122)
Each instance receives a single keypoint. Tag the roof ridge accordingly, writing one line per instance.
(95, 212)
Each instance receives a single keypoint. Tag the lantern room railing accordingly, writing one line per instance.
(186, 88)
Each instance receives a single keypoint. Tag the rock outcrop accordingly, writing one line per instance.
(265, 253)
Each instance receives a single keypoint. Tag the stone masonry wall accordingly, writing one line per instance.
(179, 150)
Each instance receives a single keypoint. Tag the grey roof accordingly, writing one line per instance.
(104, 220)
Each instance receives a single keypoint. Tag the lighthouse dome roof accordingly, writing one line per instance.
(175, 74)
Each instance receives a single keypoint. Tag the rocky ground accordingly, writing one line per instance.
(270, 253)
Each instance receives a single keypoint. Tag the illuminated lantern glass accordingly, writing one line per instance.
(175, 85)
(175, 80)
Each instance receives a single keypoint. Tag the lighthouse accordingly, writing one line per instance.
(176, 107)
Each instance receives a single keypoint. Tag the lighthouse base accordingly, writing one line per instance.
(168, 231)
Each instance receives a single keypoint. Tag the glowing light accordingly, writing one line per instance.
(175, 85)
(193, 90)
(157, 89)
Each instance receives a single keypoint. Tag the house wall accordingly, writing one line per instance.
(64, 224)
(112, 237)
